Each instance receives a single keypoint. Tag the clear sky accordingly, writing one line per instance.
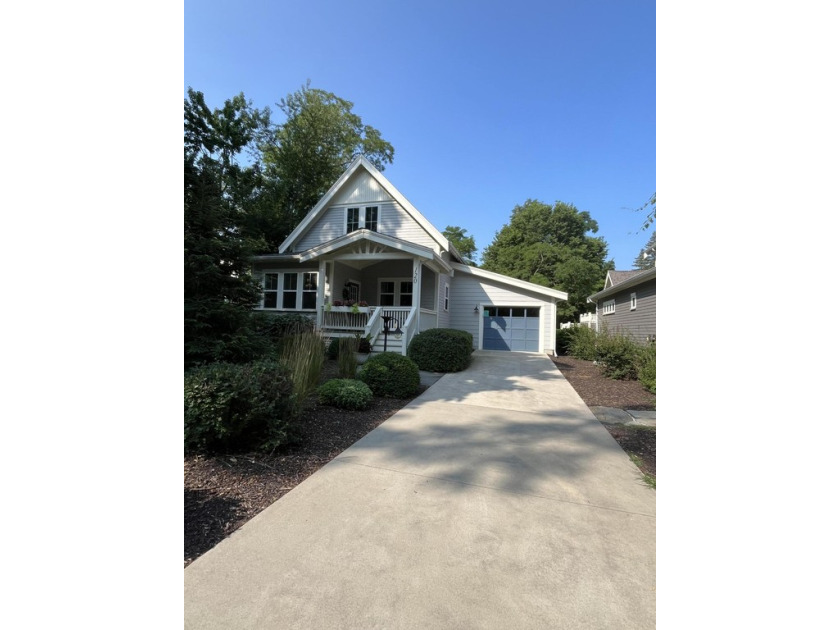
(487, 104)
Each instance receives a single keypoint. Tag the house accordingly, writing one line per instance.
(628, 303)
(364, 259)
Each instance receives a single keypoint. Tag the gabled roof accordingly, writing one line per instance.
(630, 280)
(515, 282)
(617, 277)
(362, 163)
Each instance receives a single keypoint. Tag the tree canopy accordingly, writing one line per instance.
(647, 256)
(552, 246)
(304, 156)
(463, 243)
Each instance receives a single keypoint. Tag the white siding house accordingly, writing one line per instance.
(364, 258)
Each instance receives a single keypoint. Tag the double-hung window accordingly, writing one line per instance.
(290, 290)
(395, 292)
(367, 217)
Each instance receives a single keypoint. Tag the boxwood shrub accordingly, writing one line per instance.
(345, 393)
(229, 407)
(391, 375)
(441, 350)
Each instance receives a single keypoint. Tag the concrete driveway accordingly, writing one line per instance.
(494, 500)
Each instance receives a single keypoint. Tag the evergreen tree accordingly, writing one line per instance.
(647, 256)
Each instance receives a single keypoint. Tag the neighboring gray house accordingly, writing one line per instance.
(628, 303)
(365, 244)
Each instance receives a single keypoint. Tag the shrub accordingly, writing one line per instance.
(278, 325)
(564, 340)
(345, 393)
(303, 353)
(441, 350)
(646, 366)
(347, 347)
(583, 344)
(229, 407)
(391, 375)
(617, 353)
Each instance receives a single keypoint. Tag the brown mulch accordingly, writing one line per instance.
(222, 492)
(598, 391)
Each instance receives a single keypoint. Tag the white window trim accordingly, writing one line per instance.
(397, 292)
(446, 297)
(608, 307)
(362, 217)
(633, 302)
(299, 291)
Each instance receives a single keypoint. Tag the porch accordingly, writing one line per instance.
(369, 322)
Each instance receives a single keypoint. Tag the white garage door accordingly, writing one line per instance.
(511, 328)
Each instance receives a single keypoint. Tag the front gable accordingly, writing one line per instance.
(363, 187)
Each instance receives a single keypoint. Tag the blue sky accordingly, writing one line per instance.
(487, 104)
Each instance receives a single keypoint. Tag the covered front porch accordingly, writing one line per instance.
(375, 284)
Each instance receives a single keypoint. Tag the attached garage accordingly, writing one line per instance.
(514, 328)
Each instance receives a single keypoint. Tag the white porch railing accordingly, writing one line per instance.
(342, 318)
(411, 328)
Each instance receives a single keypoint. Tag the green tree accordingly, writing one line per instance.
(650, 212)
(552, 246)
(647, 256)
(305, 155)
(463, 243)
(218, 292)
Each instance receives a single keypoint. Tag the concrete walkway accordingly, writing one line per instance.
(495, 499)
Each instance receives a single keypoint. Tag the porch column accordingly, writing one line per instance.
(416, 275)
(322, 283)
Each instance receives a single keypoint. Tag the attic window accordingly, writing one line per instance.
(371, 218)
(356, 218)
(352, 219)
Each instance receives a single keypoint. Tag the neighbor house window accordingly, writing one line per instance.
(446, 297)
(395, 292)
(356, 218)
(290, 290)
(632, 301)
(609, 307)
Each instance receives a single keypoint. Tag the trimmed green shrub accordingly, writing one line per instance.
(441, 350)
(345, 393)
(277, 325)
(646, 366)
(391, 375)
(584, 343)
(564, 340)
(616, 354)
(347, 347)
(230, 407)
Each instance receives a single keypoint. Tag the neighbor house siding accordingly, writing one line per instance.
(468, 291)
(640, 323)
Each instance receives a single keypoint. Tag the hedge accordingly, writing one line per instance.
(441, 350)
